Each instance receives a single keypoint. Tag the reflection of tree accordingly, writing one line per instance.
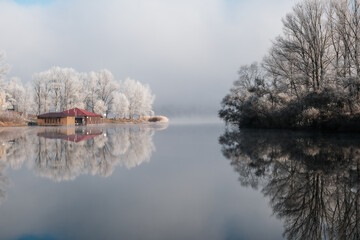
(14, 149)
(65, 160)
(65, 153)
(313, 181)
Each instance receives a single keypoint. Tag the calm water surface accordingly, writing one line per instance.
(177, 182)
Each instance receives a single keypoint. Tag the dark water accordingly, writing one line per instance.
(311, 180)
(180, 182)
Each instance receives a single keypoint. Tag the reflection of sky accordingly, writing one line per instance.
(187, 191)
(37, 237)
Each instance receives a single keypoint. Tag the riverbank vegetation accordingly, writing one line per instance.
(58, 89)
(309, 79)
(11, 119)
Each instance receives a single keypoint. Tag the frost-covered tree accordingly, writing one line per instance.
(42, 92)
(106, 86)
(139, 96)
(58, 89)
(4, 69)
(72, 95)
(146, 99)
(100, 107)
(120, 106)
(15, 93)
(37, 85)
(25, 104)
(311, 72)
(3, 103)
(90, 85)
(65, 88)
(12, 92)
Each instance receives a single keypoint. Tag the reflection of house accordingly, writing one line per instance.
(72, 135)
(73, 116)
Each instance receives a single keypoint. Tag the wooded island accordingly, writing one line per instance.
(310, 78)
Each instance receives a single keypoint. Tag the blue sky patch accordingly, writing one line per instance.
(34, 2)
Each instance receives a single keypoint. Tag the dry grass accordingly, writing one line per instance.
(11, 119)
(156, 119)
(142, 120)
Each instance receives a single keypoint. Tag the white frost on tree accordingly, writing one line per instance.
(90, 85)
(58, 89)
(106, 86)
(100, 107)
(42, 92)
(4, 69)
(120, 106)
(15, 93)
(26, 106)
(139, 96)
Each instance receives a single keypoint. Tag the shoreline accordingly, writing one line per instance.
(142, 120)
(12, 124)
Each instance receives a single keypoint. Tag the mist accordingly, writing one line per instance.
(187, 51)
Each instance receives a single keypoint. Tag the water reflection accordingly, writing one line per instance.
(63, 153)
(313, 181)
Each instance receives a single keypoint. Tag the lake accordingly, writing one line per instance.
(182, 181)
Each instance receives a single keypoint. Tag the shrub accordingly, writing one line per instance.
(11, 117)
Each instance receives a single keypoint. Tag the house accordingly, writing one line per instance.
(83, 117)
(74, 116)
(55, 119)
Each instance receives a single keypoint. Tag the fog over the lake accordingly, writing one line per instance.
(188, 51)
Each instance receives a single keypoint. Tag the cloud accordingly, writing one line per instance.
(188, 51)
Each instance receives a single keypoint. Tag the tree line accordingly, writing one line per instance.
(311, 75)
(58, 89)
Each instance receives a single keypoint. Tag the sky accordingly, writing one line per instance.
(188, 51)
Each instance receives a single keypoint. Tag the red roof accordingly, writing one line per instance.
(80, 113)
(52, 115)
